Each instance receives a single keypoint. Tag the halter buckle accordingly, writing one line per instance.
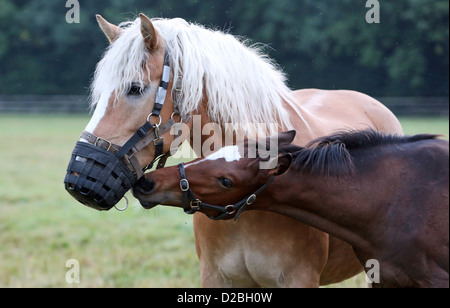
(157, 135)
(104, 140)
(251, 199)
(184, 185)
(197, 206)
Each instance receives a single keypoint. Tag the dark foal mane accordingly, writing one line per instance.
(331, 156)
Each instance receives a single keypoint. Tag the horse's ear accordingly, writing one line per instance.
(111, 31)
(149, 33)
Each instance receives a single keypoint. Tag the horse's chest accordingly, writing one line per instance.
(250, 268)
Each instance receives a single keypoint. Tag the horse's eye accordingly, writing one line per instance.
(135, 90)
(226, 182)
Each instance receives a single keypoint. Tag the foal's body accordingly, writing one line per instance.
(401, 220)
(388, 197)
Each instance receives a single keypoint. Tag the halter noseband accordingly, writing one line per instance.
(192, 205)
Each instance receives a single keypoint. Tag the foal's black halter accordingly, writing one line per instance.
(192, 205)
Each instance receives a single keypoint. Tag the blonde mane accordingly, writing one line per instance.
(242, 84)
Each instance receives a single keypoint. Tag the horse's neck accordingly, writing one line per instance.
(321, 203)
(305, 124)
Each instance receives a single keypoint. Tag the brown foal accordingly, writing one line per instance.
(388, 196)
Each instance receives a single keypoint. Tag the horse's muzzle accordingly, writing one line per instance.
(97, 178)
(142, 188)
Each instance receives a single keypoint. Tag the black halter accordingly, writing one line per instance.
(192, 205)
(100, 172)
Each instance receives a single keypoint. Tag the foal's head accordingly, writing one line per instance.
(223, 178)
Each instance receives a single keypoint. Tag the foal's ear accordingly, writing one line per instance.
(286, 137)
(284, 161)
(111, 31)
(149, 33)
(282, 138)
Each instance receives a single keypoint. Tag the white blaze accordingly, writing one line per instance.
(99, 112)
(229, 153)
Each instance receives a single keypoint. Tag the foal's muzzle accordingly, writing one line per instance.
(97, 178)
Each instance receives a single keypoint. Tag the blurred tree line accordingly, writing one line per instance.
(319, 43)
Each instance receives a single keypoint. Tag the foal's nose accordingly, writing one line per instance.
(144, 186)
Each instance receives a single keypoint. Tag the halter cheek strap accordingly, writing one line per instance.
(192, 205)
(163, 86)
(143, 131)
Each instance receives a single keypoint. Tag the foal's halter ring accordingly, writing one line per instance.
(192, 205)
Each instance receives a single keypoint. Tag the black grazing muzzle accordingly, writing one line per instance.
(100, 172)
(97, 178)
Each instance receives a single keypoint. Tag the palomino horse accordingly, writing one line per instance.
(156, 72)
(387, 196)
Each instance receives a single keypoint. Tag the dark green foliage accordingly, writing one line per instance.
(319, 43)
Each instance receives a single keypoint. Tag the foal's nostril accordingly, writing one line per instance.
(144, 186)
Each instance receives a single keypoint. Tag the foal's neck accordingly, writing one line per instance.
(331, 205)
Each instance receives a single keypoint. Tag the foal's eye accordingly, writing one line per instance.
(226, 182)
(135, 90)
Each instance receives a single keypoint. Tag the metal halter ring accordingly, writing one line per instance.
(150, 115)
(181, 121)
(230, 209)
(124, 208)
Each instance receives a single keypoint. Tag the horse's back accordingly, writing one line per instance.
(345, 109)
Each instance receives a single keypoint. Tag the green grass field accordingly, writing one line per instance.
(41, 226)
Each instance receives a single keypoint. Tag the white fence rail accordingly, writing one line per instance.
(73, 104)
